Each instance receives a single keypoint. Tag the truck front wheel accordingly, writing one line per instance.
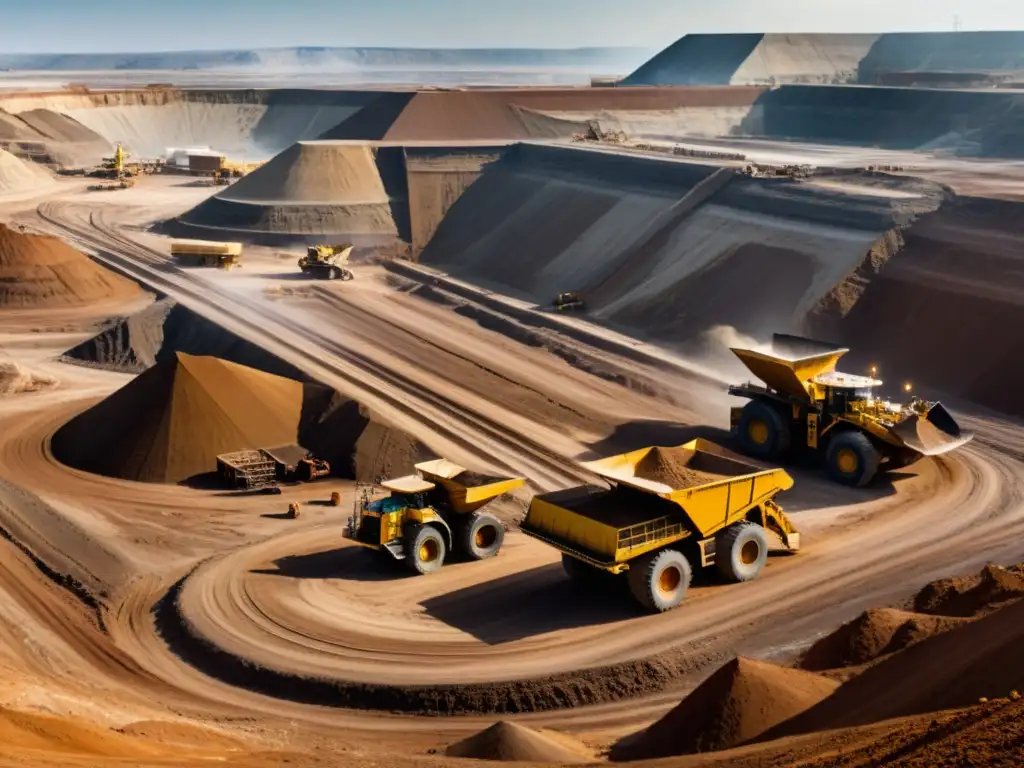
(659, 581)
(482, 536)
(424, 549)
(852, 459)
(741, 551)
(762, 432)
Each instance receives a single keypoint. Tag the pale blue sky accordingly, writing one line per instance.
(37, 26)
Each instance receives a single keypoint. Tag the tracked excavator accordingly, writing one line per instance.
(806, 406)
(327, 262)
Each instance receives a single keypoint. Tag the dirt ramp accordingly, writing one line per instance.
(509, 742)
(38, 272)
(874, 634)
(740, 701)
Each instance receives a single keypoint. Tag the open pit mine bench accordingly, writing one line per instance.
(667, 513)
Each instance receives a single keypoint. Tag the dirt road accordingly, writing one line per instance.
(211, 606)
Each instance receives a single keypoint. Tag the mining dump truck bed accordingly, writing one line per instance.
(659, 496)
(466, 491)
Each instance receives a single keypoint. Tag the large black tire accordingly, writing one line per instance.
(424, 548)
(481, 536)
(852, 459)
(763, 432)
(659, 581)
(741, 551)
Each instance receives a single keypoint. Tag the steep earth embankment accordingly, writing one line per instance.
(947, 310)
(244, 123)
(19, 177)
(665, 248)
(741, 59)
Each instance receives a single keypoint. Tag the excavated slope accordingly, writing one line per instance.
(954, 291)
(39, 271)
(740, 59)
(244, 124)
(739, 702)
(665, 248)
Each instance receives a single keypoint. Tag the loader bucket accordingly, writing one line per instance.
(789, 376)
(934, 433)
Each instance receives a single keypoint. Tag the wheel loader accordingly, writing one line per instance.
(327, 262)
(668, 513)
(429, 515)
(806, 406)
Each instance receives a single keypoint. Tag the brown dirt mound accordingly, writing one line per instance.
(740, 701)
(510, 742)
(972, 596)
(18, 176)
(38, 271)
(170, 424)
(872, 635)
(671, 466)
(24, 730)
(980, 658)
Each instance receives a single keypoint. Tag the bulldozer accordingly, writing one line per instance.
(807, 406)
(327, 262)
(569, 302)
(429, 515)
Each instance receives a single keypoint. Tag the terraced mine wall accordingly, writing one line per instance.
(947, 309)
(244, 124)
(745, 59)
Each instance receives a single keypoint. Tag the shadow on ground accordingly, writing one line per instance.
(530, 603)
(347, 563)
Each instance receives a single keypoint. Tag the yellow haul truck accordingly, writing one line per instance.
(668, 512)
(806, 406)
(428, 515)
(204, 253)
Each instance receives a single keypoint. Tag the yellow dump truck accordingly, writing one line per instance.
(668, 512)
(806, 406)
(205, 253)
(433, 513)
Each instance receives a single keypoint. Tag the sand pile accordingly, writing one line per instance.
(351, 190)
(18, 176)
(980, 658)
(871, 635)
(170, 424)
(740, 701)
(39, 272)
(672, 467)
(977, 595)
(510, 742)
(15, 378)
